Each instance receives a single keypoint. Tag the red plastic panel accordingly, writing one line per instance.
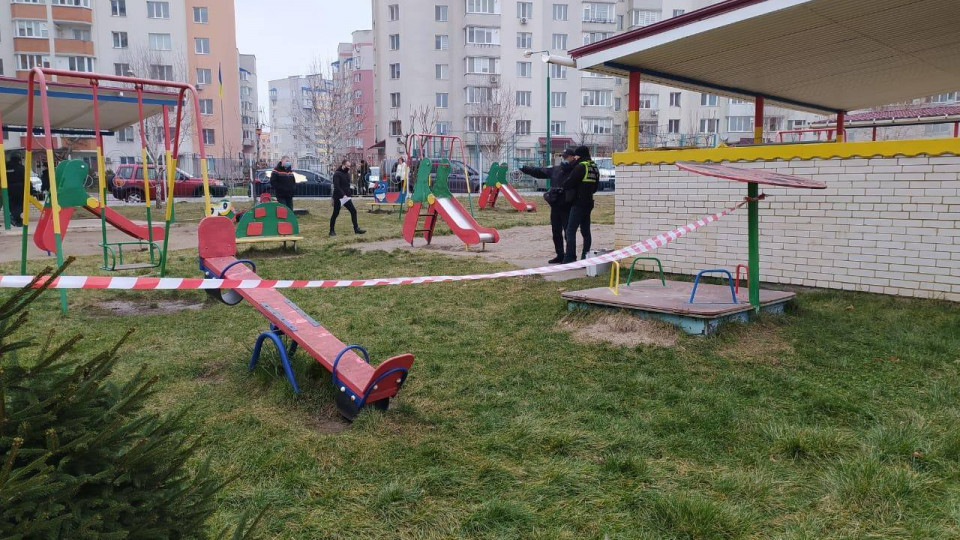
(281, 212)
(751, 176)
(217, 237)
(254, 228)
(284, 228)
(259, 212)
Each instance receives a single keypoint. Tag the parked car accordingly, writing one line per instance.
(309, 183)
(608, 174)
(127, 183)
(457, 179)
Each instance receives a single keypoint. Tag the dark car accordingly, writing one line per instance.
(457, 180)
(127, 184)
(309, 183)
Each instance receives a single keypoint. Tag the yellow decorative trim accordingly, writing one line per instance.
(633, 130)
(832, 150)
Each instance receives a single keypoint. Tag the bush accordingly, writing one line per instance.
(79, 456)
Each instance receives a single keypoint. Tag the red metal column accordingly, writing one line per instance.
(758, 107)
(841, 127)
(633, 113)
(874, 132)
(956, 129)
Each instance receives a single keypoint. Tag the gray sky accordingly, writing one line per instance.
(287, 35)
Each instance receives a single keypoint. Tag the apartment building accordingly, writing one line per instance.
(249, 105)
(457, 56)
(354, 67)
(183, 40)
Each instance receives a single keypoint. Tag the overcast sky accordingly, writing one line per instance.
(287, 35)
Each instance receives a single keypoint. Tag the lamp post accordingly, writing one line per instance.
(548, 58)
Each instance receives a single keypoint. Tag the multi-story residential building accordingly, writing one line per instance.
(293, 129)
(354, 68)
(183, 40)
(464, 59)
(249, 105)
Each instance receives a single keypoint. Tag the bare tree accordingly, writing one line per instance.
(494, 116)
(323, 119)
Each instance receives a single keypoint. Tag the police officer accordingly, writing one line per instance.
(579, 186)
(559, 207)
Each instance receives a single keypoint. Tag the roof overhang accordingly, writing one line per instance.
(71, 105)
(814, 55)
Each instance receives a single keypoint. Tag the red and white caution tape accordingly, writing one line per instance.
(152, 283)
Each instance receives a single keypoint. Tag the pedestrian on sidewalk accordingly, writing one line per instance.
(341, 198)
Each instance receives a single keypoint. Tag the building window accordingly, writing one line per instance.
(393, 12)
(645, 17)
(595, 12)
(161, 42)
(394, 42)
(121, 70)
(673, 126)
(524, 98)
(483, 64)
(593, 37)
(739, 124)
(524, 10)
(441, 42)
(125, 134)
(479, 94)
(558, 128)
(118, 8)
(708, 100)
(617, 103)
(443, 128)
(560, 42)
(598, 98)
(481, 35)
(158, 10)
(679, 12)
(482, 6)
(209, 137)
(558, 99)
(440, 13)
(75, 3)
(796, 124)
(524, 40)
(200, 15)
(443, 100)
(650, 101)
(558, 72)
(358, 94)
(524, 69)
(442, 71)
(80, 63)
(32, 29)
(201, 45)
(356, 78)
(161, 72)
(597, 126)
(394, 100)
(524, 127)
(205, 76)
(481, 123)
(737, 101)
(674, 99)
(774, 123)
(119, 40)
(709, 125)
(950, 97)
(27, 62)
(394, 71)
(396, 128)
(560, 12)
(206, 106)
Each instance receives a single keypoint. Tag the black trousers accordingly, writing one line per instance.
(15, 194)
(336, 212)
(579, 219)
(559, 216)
(286, 200)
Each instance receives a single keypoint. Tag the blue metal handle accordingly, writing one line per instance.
(336, 361)
(247, 262)
(696, 282)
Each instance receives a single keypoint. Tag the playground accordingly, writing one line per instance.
(834, 419)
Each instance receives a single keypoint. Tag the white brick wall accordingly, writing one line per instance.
(889, 226)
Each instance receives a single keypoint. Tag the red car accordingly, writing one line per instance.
(127, 184)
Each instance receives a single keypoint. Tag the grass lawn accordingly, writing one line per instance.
(840, 419)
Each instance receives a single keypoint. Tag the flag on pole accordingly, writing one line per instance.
(220, 79)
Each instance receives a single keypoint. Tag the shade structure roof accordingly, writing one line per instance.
(814, 55)
(71, 105)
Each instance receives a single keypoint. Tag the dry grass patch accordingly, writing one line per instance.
(759, 342)
(621, 329)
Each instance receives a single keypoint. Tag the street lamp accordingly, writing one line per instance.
(548, 58)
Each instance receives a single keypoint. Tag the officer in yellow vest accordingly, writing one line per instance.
(578, 187)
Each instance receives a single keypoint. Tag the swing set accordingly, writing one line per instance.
(115, 114)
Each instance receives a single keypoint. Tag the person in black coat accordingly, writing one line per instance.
(16, 178)
(578, 187)
(559, 208)
(341, 191)
(283, 182)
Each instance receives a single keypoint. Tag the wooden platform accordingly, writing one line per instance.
(649, 299)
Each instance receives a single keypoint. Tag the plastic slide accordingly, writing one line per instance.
(516, 200)
(462, 223)
(44, 239)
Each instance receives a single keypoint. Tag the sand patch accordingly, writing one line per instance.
(112, 308)
(620, 329)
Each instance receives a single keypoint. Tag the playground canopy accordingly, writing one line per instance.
(71, 105)
(822, 56)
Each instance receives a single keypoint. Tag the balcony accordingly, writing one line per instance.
(73, 47)
(28, 11)
(72, 14)
(31, 45)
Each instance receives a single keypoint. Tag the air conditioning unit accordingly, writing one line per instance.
(654, 113)
(523, 20)
(199, 87)
(495, 80)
